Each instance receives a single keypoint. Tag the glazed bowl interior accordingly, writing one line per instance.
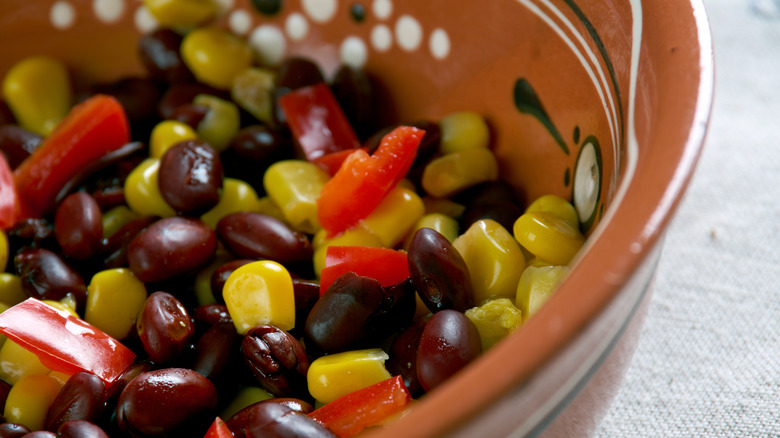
(603, 102)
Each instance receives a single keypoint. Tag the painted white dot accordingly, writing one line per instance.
(269, 43)
(296, 26)
(354, 52)
(240, 22)
(320, 10)
(587, 182)
(108, 11)
(62, 15)
(439, 44)
(381, 37)
(382, 9)
(144, 20)
(408, 33)
(224, 6)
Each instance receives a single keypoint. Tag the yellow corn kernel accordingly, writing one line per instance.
(215, 56)
(334, 375)
(114, 299)
(253, 90)
(3, 251)
(181, 13)
(295, 185)
(558, 207)
(37, 89)
(166, 134)
(142, 193)
(463, 130)
(16, 362)
(443, 206)
(29, 400)
(116, 218)
(445, 225)
(395, 216)
(60, 377)
(260, 293)
(548, 237)
(451, 173)
(268, 207)
(246, 396)
(494, 259)
(353, 237)
(11, 292)
(535, 287)
(63, 306)
(236, 196)
(221, 123)
(494, 320)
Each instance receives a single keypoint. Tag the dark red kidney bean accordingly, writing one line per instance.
(275, 420)
(5, 387)
(212, 314)
(138, 96)
(17, 143)
(221, 274)
(488, 192)
(403, 357)
(354, 92)
(429, 144)
(160, 55)
(78, 226)
(13, 430)
(40, 434)
(31, 232)
(46, 276)
(115, 246)
(503, 212)
(183, 94)
(164, 327)
(171, 247)
(448, 343)
(307, 292)
(260, 144)
(81, 429)
(294, 73)
(277, 360)
(190, 177)
(214, 350)
(6, 115)
(438, 272)
(295, 404)
(190, 114)
(167, 402)
(110, 195)
(133, 371)
(254, 235)
(83, 397)
(398, 307)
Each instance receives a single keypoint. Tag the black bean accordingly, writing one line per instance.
(167, 402)
(354, 92)
(81, 429)
(83, 397)
(78, 226)
(160, 55)
(449, 342)
(277, 360)
(46, 276)
(190, 177)
(274, 420)
(171, 247)
(164, 327)
(257, 236)
(439, 272)
(17, 143)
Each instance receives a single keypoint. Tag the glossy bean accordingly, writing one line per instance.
(41, 434)
(221, 274)
(138, 97)
(78, 226)
(190, 177)
(277, 360)
(133, 371)
(182, 94)
(449, 342)
(159, 53)
(258, 236)
(212, 314)
(403, 356)
(167, 133)
(307, 292)
(189, 114)
(295, 404)
(80, 429)
(32, 232)
(294, 73)
(275, 420)
(354, 92)
(83, 397)
(46, 276)
(171, 247)
(167, 402)
(17, 143)
(438, 272)
(13, 430)
(214, 350)
(116, 245)
(261, 145)
(164, 327)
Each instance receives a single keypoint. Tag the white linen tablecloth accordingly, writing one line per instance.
(708, 360)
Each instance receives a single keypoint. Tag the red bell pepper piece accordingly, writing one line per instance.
(351, 413)
(332, 162)
(385, 265)
(218, 429)
(9, 199)
(65, 343)
(317, 122)
(363, 180)
(92, 129)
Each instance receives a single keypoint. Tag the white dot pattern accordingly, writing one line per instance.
(320, 11)
(62, 15)
(381, 38)
(408, 33)
(439, 44)
(144, 20)
(383, 9)
(354, 52)
(296, 27)
(269, 43)
(109, 11)
(240, 22)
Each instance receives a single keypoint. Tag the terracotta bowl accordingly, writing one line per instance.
(605, 102)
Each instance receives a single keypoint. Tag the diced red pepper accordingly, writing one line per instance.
(92, 129)
(65, 343)
(385, 265)
(370, 406)
(9, 199)
(218, 429)
(363, 180)
(332, 162)
(317, 122)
